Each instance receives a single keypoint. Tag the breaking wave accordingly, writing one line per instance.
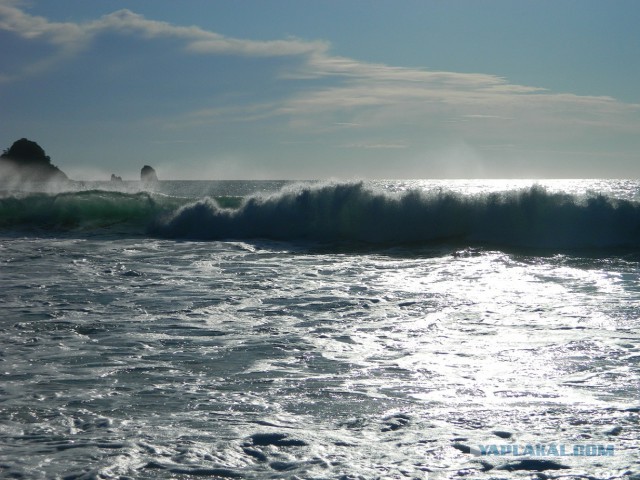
(85, 210)
(351, 212)
(344, 212)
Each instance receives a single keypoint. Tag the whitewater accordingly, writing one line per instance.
(321, 330)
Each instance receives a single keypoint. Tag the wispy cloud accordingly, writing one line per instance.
(325, 94)
(359, 84)
(199, 40)
(64, 35)
(72, 36)
(376, 146)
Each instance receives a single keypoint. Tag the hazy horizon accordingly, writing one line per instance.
(333, 90)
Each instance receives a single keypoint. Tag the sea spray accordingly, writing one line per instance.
(351, 212)
(142, 357)
(344, 212)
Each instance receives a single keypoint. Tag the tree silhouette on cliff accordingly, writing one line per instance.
(26, 161)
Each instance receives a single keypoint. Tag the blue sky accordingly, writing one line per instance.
(301, 89)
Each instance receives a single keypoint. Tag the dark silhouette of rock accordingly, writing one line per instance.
(115, 178)
(26, 161)
(148, 174)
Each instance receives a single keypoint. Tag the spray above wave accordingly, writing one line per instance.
(81, 210)
(346, 212)
(351, 212)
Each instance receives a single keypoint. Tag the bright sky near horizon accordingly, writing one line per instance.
(308, 89)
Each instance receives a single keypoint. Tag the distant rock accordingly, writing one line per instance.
(26, 161)
(115, 178)
(148, 174)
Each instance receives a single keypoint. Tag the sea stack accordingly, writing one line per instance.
(26, 161)
(148, 174)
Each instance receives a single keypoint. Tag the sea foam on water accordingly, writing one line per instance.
(323, 330)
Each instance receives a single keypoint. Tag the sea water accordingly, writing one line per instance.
(399, 329)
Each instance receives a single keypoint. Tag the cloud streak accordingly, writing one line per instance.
(362, 84)
(319, 91)
(71, 36)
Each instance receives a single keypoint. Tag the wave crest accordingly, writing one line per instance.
(84, 210)
(350, 212)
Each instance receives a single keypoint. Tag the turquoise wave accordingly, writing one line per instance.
(81, 210)
(344, 212)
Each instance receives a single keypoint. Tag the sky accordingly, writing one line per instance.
(310, 89)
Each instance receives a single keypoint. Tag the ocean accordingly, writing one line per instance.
(321, 330)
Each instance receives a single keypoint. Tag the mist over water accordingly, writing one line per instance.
(519, 216)
(340, 330)
(530, 217)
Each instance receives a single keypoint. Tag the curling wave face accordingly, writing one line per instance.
(80, 210)
(351, 212)
(344, 212)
